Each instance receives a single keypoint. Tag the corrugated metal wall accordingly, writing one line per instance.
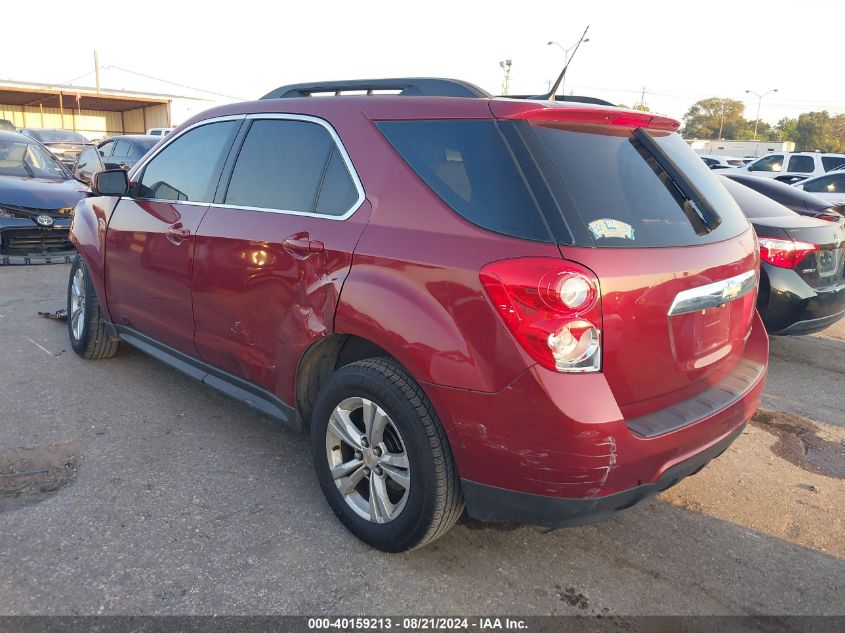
(92, 123)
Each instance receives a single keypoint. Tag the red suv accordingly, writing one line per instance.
(541, 311)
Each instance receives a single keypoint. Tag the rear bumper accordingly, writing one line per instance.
(488, 503)
(554, 449)
(793, 307)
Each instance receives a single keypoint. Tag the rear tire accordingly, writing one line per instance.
(405, 466)
(85, 325)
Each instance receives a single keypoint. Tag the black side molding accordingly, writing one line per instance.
(250, 394)
(488, 503)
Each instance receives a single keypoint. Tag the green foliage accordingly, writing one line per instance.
(708, 117)
(785, 129)
(810, 131)
(819, 131)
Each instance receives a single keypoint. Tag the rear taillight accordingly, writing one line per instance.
(552, 307)
(784, 253)
(831, 215)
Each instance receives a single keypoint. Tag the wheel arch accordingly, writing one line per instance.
(322, 359)
(88, 234)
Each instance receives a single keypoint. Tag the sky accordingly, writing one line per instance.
(678, 51)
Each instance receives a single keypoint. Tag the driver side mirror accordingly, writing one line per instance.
(110, 182)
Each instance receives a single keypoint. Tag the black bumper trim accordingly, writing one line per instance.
(810, 325)
(723, 394)
(489, 503)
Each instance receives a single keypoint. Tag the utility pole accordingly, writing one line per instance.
(506, 80)
(759, 103)
(97, 71)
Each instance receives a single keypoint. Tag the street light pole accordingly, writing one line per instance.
(506, 80)
(566, 59)
(759, 103)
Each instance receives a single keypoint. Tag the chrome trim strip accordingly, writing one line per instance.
(356, 180)
(713, 295)
(172, 137)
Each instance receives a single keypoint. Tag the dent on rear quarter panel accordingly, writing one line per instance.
(88, 235)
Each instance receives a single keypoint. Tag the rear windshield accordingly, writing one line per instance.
(467, 163)
(611, 184)
(57, 136)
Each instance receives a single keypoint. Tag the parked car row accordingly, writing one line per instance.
(38, 190)
(37, 200)
(411, 279)
(788, 167)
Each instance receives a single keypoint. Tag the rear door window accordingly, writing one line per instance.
(833, 183)
(801, 164)
(291, 165)
(609, 182)
(469, 166)
(767, 163)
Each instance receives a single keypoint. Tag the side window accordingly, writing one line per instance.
(89, 161)
(291, 166)
(106, 149)
(121, 149)
(832, 162)
(467, 164)
(187, 169)
(801, 164)
(767, 163)
(835, 183)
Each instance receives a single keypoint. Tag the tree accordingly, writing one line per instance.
(785, 129)
(715, 118)
(818, 131)
(642, 107)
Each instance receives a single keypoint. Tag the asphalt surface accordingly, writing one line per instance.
(185, 502)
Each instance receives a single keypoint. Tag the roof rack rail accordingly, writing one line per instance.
(407, 87)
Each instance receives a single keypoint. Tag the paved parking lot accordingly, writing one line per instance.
(186, 502)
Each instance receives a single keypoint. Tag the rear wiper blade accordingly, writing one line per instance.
(700, 212)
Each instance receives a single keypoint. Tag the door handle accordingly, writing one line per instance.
(302, 245)
(177, 233)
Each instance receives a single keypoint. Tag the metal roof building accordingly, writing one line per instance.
(95, 114)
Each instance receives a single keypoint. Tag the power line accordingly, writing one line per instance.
(172, 83)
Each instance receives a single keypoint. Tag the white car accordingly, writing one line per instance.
(831, 186)
(792, 167)
(720, 162)
(159, 131)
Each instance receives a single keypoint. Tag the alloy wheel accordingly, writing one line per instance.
(77, 304)
(367, 460)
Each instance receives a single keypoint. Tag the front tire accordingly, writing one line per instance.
(85, 325)
(382, 457)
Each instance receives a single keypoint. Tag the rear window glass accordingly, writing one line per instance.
(624, 197)
(58, 136)
(468, 164)
(832, 162)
